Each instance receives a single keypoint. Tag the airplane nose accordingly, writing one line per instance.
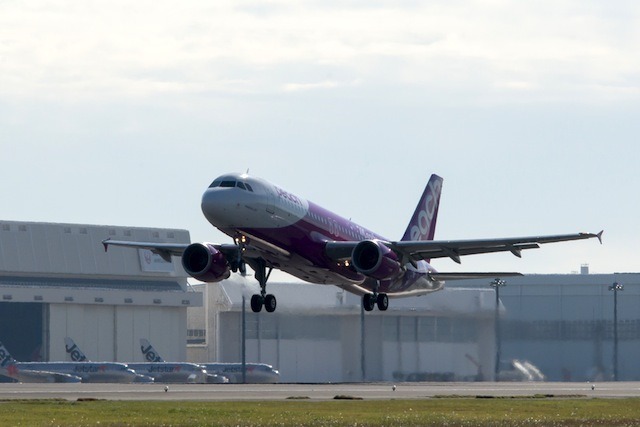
(220, 207)
(211, 205)
(228, 207)
(208, 200)
(215, 199)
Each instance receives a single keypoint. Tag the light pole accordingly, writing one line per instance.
(615, 287)
(244, 341)
(497, 284)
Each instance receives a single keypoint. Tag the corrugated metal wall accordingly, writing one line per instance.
(113, 333)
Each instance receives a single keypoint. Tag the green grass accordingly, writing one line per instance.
(458, 411)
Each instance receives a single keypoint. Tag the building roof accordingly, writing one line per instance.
(67, 264)
(84, 283)
(47, 249)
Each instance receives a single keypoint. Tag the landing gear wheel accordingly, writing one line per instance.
(383, 302)
(368, 302)
(256, 303)
(270, 303)
(259, 265)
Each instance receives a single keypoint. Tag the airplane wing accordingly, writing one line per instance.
(47, 376)
(36, 376)
(465, 276)
(165, 250)
(414, 250)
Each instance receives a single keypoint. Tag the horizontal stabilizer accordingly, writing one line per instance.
(466, 276)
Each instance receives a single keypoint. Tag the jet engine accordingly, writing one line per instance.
(374, 259)
(206, 263)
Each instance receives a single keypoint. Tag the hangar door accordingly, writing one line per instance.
(21, 329)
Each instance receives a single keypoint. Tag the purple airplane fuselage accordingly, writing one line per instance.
(291, 234)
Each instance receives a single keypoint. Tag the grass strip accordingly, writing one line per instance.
(427, 412)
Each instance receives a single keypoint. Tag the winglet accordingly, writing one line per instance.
(599, 236)
(105, 242)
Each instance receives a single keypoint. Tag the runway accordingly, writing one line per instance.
(270, 392)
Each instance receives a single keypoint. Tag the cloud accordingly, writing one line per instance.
(74, 49)
(300, 87)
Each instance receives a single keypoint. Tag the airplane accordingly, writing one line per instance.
(86, 372)
(256, 373)
(77, 355)
(161, 369)
(20, 372)
(178, 372)
(274, 228)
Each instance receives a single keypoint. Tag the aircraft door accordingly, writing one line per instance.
(271, 201)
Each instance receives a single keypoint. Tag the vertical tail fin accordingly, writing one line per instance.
(74, 352)
(150, 354)
(6, 359)
(423, 221)
(8, 365)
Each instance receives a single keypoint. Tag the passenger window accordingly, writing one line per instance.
(249, 187)
(240, 185)
(228, 184)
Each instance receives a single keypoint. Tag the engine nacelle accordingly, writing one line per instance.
(206, 263)
(374, 259)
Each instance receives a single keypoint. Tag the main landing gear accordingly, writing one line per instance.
(263, 299)
(371, 300)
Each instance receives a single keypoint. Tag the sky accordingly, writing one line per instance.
(122, 113)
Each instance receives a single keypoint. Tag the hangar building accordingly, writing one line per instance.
(562, 323)
(320, 333)
(56, 281)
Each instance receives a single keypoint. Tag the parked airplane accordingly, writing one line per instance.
(77, 355)
(153, 357)
(161, 370)
(20, 372)
(154, 360)
(273, 228)
(177, 372)
(256, 373)
(103, 372)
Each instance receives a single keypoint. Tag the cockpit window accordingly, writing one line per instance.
(227, 183)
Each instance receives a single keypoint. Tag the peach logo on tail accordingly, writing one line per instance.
(426, 214)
